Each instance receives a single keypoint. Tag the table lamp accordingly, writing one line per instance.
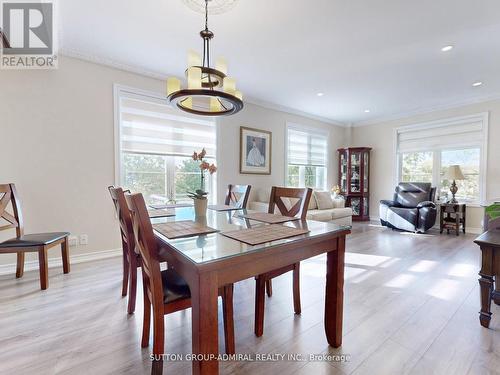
(454, 173)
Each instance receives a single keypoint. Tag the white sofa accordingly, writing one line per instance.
(339, 214)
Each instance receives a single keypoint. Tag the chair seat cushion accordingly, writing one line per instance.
(35, 239)
(174, 286)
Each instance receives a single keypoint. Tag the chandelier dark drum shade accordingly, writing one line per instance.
(209, 92)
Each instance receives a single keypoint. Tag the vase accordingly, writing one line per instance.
(200, 207)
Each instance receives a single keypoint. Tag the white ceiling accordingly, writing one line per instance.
(382, 55)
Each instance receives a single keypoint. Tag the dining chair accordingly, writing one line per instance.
(166, 291)
(131, 258)
(290, 202)
(23, 243)
(237, 195)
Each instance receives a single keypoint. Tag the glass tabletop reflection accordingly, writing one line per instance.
(215, 246)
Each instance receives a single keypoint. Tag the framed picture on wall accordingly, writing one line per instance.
(255, 151)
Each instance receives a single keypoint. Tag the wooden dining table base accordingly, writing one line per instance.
(205, 279)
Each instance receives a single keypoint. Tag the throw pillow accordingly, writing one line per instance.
(323, 199)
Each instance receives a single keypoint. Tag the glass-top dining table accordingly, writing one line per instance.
(213, 260)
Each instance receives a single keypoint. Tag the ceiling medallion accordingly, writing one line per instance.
(210, 92)
(214, 6)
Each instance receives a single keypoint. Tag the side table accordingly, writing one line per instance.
(452, 216)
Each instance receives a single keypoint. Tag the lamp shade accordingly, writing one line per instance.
(454, 173)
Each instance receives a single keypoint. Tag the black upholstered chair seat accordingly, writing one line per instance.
(35, 239)
(174, 286)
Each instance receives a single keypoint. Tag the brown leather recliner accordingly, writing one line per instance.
(412, 208)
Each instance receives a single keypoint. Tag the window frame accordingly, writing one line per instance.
(436, 166)
(121, 91)
(310, 130)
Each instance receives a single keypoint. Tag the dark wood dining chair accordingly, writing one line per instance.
(22, 243)
(237, 195)
(131, 258)
(166, 291)
(264, 281)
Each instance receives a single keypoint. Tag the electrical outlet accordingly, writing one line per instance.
(73, 240)
(84, 239)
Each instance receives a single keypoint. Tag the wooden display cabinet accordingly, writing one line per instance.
(354, 180)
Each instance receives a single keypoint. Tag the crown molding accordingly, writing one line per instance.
(277, 107)
(157, 75)
(282, 108)
(428, 110)
(111, 63)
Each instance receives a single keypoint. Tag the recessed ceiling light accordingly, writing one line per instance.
(477, 84)
(320, 94)
(447, 48)
(367, 111)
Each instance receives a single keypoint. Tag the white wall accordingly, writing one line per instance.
(274, 121)
(58, 147)
(380, 136)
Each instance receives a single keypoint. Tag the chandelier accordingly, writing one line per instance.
(209, 92)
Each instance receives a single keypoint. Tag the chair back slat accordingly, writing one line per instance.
(299, 208)
(123, 213)
(146, 244)
(8, 195)
(237, 195)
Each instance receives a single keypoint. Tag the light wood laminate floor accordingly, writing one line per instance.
(411, 307)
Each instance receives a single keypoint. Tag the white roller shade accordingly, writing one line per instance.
(306, 148)
(153, 128)
(454, 135)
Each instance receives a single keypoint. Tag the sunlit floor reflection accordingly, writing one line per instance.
(463, 270)
(365, 259)
(423, 266)
(400, 281)
(445, 289)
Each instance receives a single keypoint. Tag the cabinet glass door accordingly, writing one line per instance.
(366, 171)
(355, 205)
(355, 172)
(343, 172)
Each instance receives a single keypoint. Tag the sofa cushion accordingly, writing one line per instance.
(338, 202)
(312, 203)
(330, 214)
(319, 215)
(337, 213)
(323, 200)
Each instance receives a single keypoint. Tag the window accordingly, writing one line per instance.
(426, 151)
(306, 158)
(155, 145)
(469, 161)
(417, 167)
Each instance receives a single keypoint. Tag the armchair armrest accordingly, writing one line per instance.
(426, 204)
(390, 203)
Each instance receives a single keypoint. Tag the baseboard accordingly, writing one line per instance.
(57, 262)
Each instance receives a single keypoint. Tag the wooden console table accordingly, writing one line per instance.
(452, 216)
(490, 268)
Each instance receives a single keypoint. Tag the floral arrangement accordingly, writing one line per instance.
(336, 189)
(204, 167)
